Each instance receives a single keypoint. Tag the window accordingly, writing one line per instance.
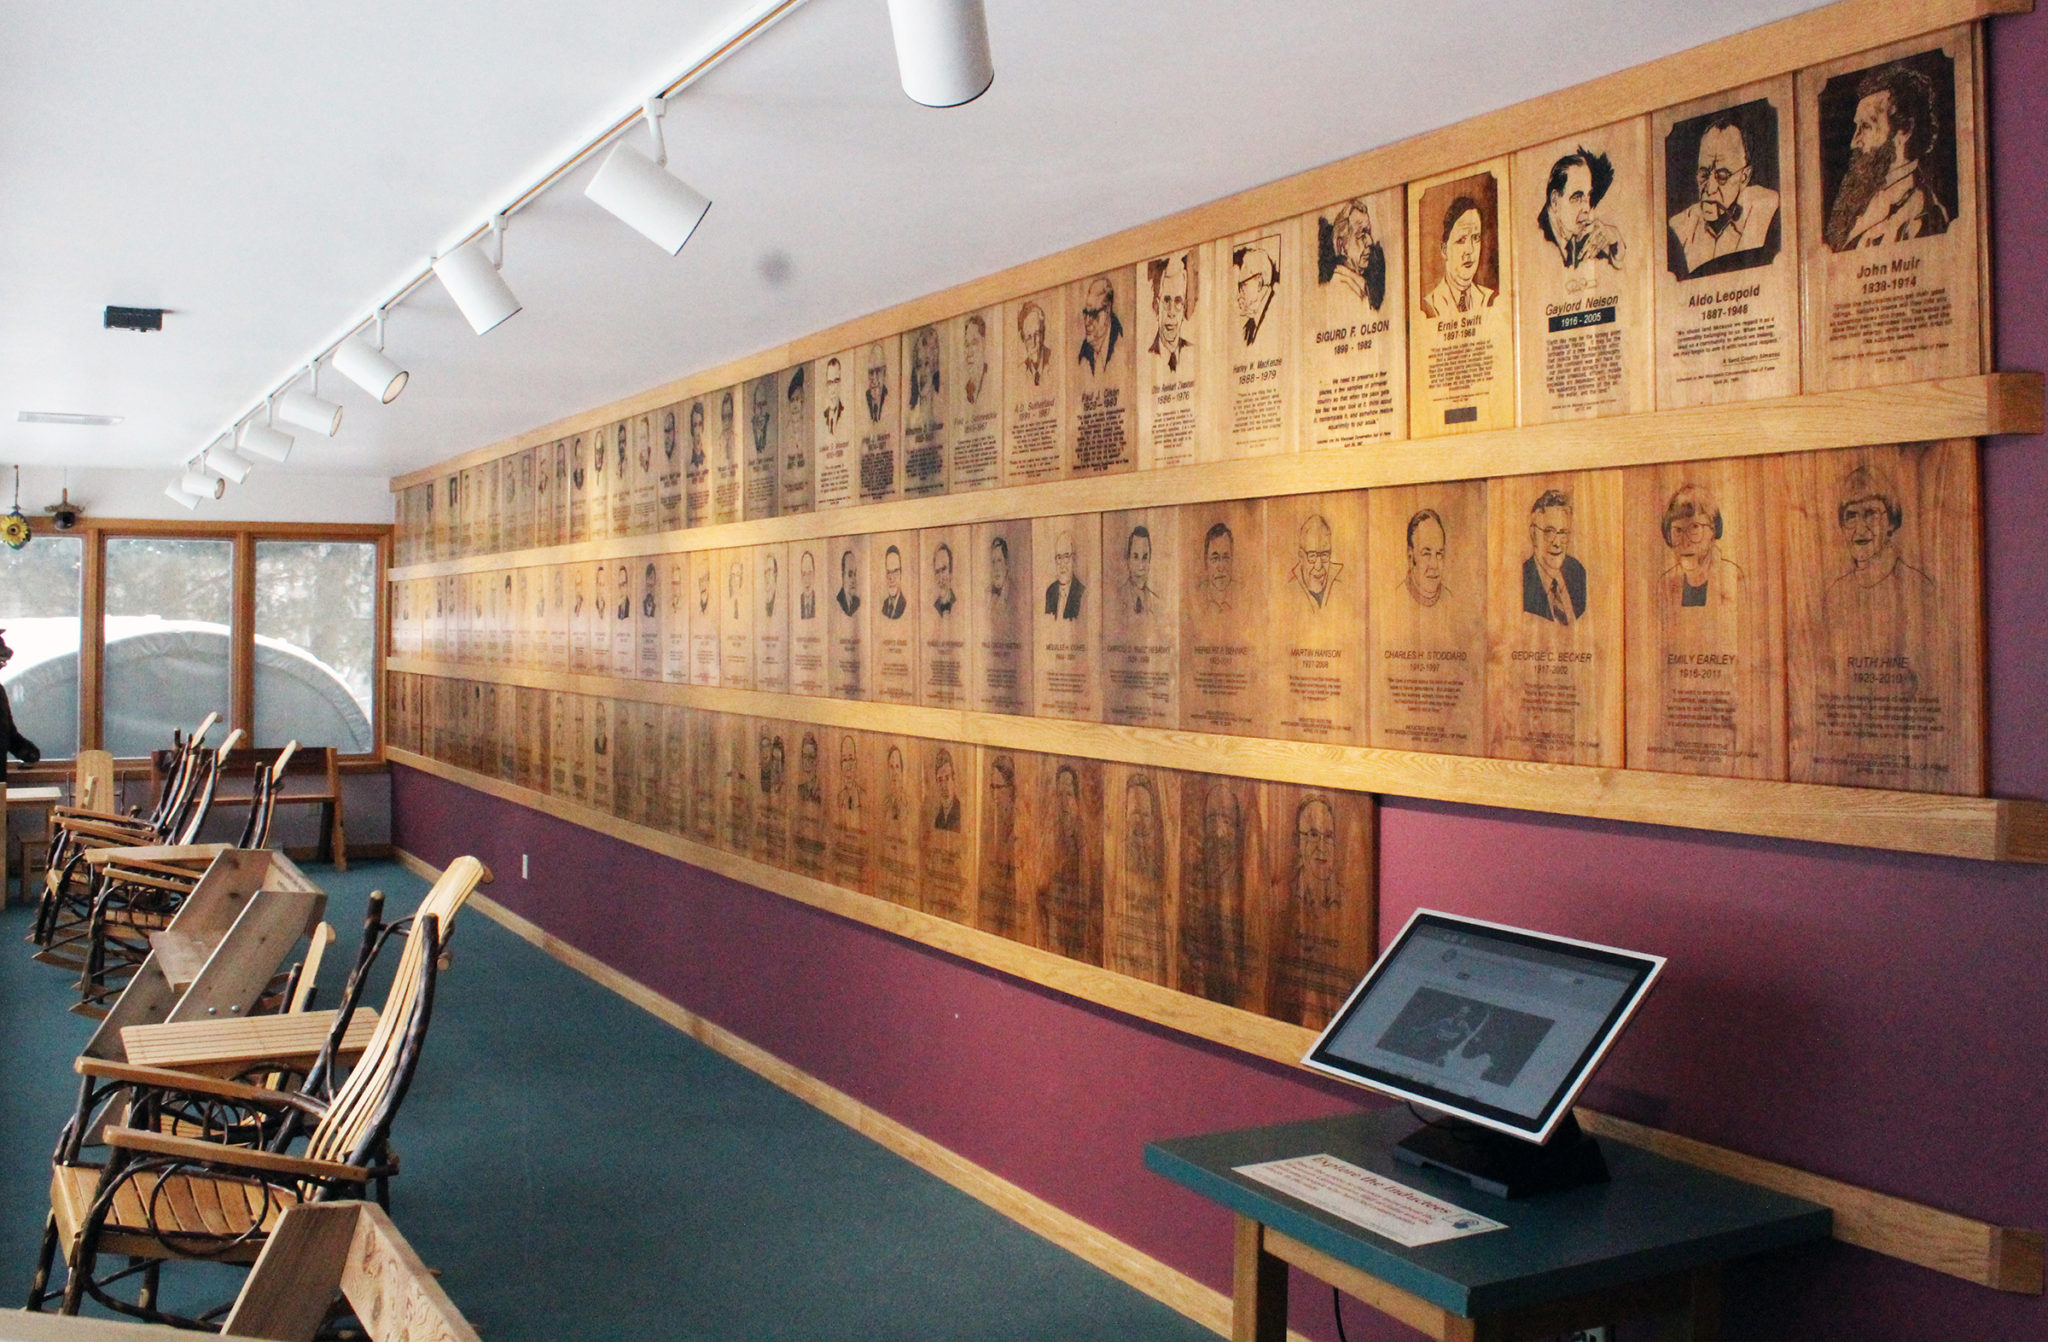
(169, 638)
(316, 644)
(42, 591)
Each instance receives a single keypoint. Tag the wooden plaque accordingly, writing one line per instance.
(621, 478)
(670, 457)
(1177, 329)
(948, 826)
(504, 722)
(1320, 900)
(1883, 586)
(1705, 617)
(1352, 279)
(1034, 378)
(675, 769)
(649, 622)
(580, 476)
(1316, 649)
(1461, 346)
(736, 783)
(1066, 825)
(878, 421)
(522, 500)
(675, 619)
(1220, 941)
(848, 675)
(727, 472)
(795, 431)
(1001, 900)
(1223, 614)
(705, 581)
(811, 564)
(469, 513)
(1101, 419)
(582, 615)
(646, 475)
(835, 428)
(649, 796)
(893, 820)
(601, 780)
(927, 410)
(1067, 616)
(1000, 615)
(736, 619)
(809, 823)
(894, 567)
(771, 618)
(1553, 618)
(772, 794)
(1257, 412)
(529, 744)
(1141, 551)
(974, 388)
(1584, 257)
(1728, 271)
(554, 650)
(704, 789)
(944, 664)
(1141, 866)
(760, 495)
(697, 462)
(536, 480)
(528, 622)
(491, 497)
(850, 846)
(1892, 243)
(624, 620)
(1428, 617)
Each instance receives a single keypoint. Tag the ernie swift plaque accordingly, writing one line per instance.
(1461, 350)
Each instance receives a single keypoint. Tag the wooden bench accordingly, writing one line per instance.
(310, 762)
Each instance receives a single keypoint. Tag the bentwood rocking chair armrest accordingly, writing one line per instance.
(243, 1158)
(178, 855)
(192, 1083)
(87, 815)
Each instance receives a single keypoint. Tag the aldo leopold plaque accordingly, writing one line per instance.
(1354, 331)
(1728, 273)
(1034, 372)
(1461, 351)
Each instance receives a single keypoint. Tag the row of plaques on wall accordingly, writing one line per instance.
(1805, 233)
(1815, 617)
(1253, 894)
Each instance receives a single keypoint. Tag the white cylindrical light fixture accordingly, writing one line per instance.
(200, 485)
(370, 368)
(177, 494)
(942, 51)
(304, 410)
(472, 280)
(227, 462)
(656, 203)
(260, 440)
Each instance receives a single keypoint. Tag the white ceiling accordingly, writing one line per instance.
(268, 171)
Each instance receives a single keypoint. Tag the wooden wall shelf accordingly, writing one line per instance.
(1985, 828)
(2002, 1257)
(1963, 407)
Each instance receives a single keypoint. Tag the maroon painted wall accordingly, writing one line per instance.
(1861, 1014)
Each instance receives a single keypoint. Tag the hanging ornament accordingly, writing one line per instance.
(14, 527)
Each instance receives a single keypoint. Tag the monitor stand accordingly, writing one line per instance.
(1507, 1167)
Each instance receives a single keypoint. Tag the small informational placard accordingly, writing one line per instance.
(1405, 1215)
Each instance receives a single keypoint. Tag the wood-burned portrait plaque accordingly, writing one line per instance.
(1892, 237)
(1176, 328)
(1461, 349)
(1353, 264)
(771, 792)
(760, 496)
(893, 629)
(1001, 628)
(705, 634)
(1141, 863)
(579, 455)
(649, 801)
(1705, 617)
(1553, 617)
(646, 476)
(771, 618)
(728, 473)
(586, 580)
(647, 625)
(949, 828)
(893, 821)
(810, 607)
(601, 779)
(1221, 940)
(850, 842)
(809, 825)
(736, 783)
(623, 462)
(944, 665)
(1584, 253)
(835, 431)
(625, 619)
(1223, 610)
(669, 459)
(1428, 617)
(675, 768)
(675, 619)
(848, 675)
(1320, 899)
(1102, 419)
(1316, 613)
(927, 411)
(1257, 410)
(974, 384)
(1066, 865)
(1728, 277)
(795, 432)
(1884, 618)
(1035, 362)
(1141, 552)
(1000, 906)
(878, 432)
(561, 490)
(704, 789)
(697, 463)
(1067, 616)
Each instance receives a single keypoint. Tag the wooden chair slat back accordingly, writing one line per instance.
(309, 968)
(92, 781)
(206, 775)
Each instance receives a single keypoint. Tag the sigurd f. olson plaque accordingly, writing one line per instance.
(1353, 289)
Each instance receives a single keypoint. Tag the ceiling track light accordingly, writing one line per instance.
(305, 410)
(263, 441)
(196, 482)
(176, 493)
(643, 194)
(942, 53)
(369, 367)
(470, 275)
(224, 460)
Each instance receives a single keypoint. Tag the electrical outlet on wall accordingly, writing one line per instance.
(524, 874)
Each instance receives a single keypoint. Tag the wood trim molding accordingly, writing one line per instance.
(2005, 1258)
(1982, 828)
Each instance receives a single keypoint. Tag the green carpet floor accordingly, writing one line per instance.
(578, 1169)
